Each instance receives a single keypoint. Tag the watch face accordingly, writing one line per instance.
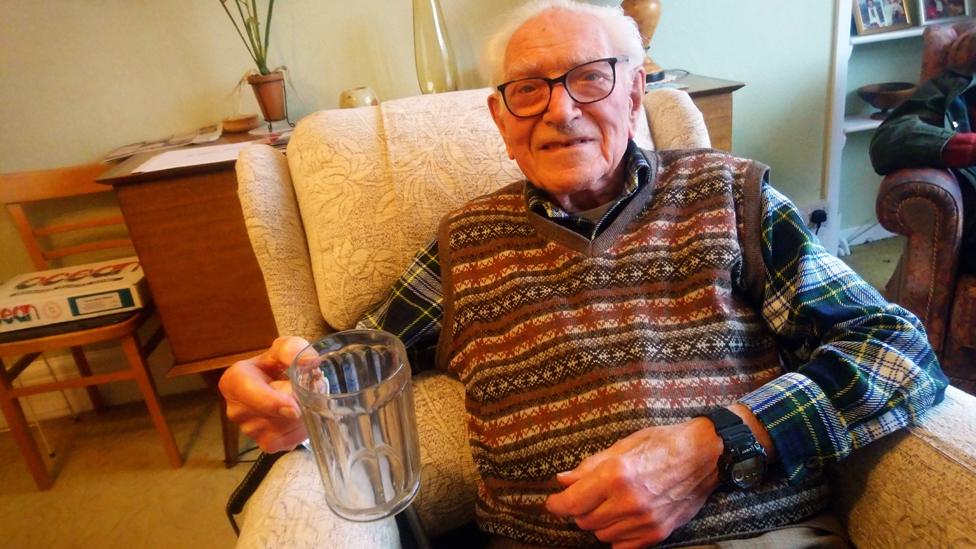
(748, 472)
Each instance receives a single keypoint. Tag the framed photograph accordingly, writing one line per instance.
(940, 11)
(871, 16)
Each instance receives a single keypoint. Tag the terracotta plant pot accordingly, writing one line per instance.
(269, 90)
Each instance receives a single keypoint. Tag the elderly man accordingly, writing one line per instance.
(653, 346)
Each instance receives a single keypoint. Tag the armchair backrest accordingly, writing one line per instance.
(371, 185)
(940, 49)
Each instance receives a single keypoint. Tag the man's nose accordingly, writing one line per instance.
(562, 109)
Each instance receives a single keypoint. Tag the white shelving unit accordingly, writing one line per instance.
(883, 36)
(859, 123)
(840, 126)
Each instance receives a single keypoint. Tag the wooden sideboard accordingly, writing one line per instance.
(188, 230)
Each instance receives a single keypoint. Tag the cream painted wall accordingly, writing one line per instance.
(90, 78)
(781, 50)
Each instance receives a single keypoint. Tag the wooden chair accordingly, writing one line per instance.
(22, 347)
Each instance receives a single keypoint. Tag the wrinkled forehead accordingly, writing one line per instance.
(553, 42)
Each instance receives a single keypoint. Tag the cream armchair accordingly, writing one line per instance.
(362, 190)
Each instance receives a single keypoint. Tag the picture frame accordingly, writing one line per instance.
(942, 11)
(874, 16)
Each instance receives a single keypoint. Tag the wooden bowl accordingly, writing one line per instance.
(240, 123)
(885, 96)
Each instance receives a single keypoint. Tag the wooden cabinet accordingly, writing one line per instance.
(713, 97)
(188, 229)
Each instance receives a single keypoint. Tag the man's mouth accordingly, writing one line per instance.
(556, 145)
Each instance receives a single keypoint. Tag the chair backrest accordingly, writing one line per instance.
(43, 239)
(936, 42)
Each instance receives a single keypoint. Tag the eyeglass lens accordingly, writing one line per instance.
(586, 83)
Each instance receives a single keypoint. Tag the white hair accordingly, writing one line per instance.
(622, 30)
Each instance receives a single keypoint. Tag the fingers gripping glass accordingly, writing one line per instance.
(587, 83)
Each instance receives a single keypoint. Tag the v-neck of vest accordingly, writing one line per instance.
(579, 243)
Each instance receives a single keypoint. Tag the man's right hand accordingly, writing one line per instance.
(259, 398)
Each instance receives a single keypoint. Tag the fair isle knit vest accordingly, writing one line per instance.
(566, 345)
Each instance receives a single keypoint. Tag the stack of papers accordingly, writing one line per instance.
(205, 134)
(196, 156)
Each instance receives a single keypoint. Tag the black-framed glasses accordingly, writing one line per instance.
(587, 83)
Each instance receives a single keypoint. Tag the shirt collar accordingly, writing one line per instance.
(636, 178)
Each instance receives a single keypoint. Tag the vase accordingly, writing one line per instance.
(647, 14)
(431, 48)
(363, 96)
(269, 90)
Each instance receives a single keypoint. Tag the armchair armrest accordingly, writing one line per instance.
(915, 487)
(288, 509)
(274, 226)
(926, 206)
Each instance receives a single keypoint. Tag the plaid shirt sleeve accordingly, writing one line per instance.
(413, 309)
(857, 367)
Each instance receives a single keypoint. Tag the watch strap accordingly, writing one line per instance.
(730, 427)
(737, 440)
(723, 418)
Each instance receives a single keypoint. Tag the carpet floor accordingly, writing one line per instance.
(114, 485)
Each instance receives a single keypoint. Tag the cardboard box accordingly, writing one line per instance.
(72, 293)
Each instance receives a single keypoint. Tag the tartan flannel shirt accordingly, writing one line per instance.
(856, 367)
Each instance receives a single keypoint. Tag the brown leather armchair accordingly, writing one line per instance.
(925, 205)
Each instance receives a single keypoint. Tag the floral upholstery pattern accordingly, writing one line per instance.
(373, 183)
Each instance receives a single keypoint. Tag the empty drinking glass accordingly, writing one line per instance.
(357, 403)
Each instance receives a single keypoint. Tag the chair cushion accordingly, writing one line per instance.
(374, 182)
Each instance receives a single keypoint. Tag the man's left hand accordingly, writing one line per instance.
(646, 485)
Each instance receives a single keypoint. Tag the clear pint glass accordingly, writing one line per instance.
(357, 403)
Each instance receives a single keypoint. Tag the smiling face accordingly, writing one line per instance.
(573, 152)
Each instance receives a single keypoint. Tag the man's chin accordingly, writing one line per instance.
(564, 185)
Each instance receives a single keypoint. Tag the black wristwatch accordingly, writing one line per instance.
(742, 464)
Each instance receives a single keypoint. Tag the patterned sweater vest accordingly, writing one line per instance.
(567, 345)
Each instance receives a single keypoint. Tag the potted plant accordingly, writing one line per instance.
(268, 85)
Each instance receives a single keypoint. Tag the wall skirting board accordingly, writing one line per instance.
(852, 236)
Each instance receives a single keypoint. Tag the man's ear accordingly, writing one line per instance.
(636, 93)
(496, 109)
